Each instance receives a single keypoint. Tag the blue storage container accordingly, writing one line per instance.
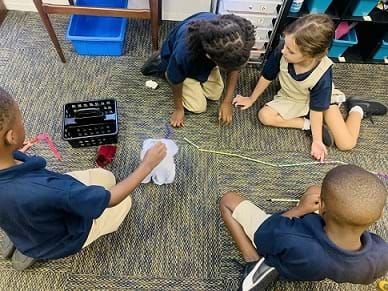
(363, 7)
(98, 35)
(318, 6)
(339, 46)
(382, 52)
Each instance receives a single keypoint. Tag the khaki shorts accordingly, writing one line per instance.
(110, 220)
(250, 217)
(195, 93)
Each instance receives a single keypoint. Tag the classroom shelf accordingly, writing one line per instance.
(370, 30)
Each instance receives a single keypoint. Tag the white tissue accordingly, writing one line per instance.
(151, 84)
(164, 173)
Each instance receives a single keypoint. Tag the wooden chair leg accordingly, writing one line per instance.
(160, 12)
(155, 20)
(50, 29)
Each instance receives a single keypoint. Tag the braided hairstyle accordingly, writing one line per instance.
(227, 40)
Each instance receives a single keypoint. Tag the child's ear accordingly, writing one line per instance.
(10, 138)
(322, 208)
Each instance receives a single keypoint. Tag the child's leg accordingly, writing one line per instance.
(345, 133)
(194, 99)
(270, 117)
(314, 189)
(97, 176)
(214, 86)
(110, 220)
(242, 227)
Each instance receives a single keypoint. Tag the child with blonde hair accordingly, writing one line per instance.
(307, 98)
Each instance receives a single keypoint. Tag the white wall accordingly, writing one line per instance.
(172, 9)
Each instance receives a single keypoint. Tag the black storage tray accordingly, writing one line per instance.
(90, 123)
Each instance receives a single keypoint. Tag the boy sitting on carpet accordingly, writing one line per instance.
(47, 215)
(302, 245)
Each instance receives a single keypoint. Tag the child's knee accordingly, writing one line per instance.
(104, 178)
(264, 116)
(199, 106)
(346, 146)
(314, 189)
(230, 200)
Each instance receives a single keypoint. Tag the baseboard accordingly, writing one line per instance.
(175, 16)
(13, 5)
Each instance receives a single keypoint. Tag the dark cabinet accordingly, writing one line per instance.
(371, 29)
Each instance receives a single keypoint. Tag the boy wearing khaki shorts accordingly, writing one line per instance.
(49, 215)
(301, 245)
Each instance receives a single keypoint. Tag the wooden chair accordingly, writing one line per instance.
(3, 11)
(154, 13)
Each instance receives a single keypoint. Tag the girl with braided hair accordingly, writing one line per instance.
(191, 58)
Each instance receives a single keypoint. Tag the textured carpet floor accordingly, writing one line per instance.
(173, 238)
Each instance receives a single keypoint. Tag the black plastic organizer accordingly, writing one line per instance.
(90, 123)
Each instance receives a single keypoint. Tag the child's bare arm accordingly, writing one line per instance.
(178, 115)
(308, 203)
(246, 102)
(318, 149)
(226, 113)
(151, 159)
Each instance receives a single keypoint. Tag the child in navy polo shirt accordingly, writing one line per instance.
(48, 215)
(307, 98)
(193, 53)
(304, 246)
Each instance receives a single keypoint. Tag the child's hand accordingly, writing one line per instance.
(244, 102)
(27, 145)
(310, 202)
(177, 118)
(155, 155)
(225, 114)
(318, 150)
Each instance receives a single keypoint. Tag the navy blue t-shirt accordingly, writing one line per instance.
(300, 250)
(177, 58)
(320, 94)
(47, 215)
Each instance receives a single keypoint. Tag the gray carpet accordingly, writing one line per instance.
(173, 238)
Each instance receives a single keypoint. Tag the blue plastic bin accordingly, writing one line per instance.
(318, 6)
(339, 46)
(382, 52)
(363, 7)
(98, 35)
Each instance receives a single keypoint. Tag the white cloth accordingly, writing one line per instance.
(164, 173)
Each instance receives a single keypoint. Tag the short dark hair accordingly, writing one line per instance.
(353, 196)
(227, 40)
(7, 109)
(313, 34)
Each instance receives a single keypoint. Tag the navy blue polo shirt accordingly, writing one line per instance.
(177, 59)
(300, 250)
(47, 215)
(320, 94)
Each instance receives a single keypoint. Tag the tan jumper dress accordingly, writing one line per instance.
(293, 99)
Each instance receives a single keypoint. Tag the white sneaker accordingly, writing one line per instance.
(260, 277)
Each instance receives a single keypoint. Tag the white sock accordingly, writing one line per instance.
(357, 109)
(306, 124)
